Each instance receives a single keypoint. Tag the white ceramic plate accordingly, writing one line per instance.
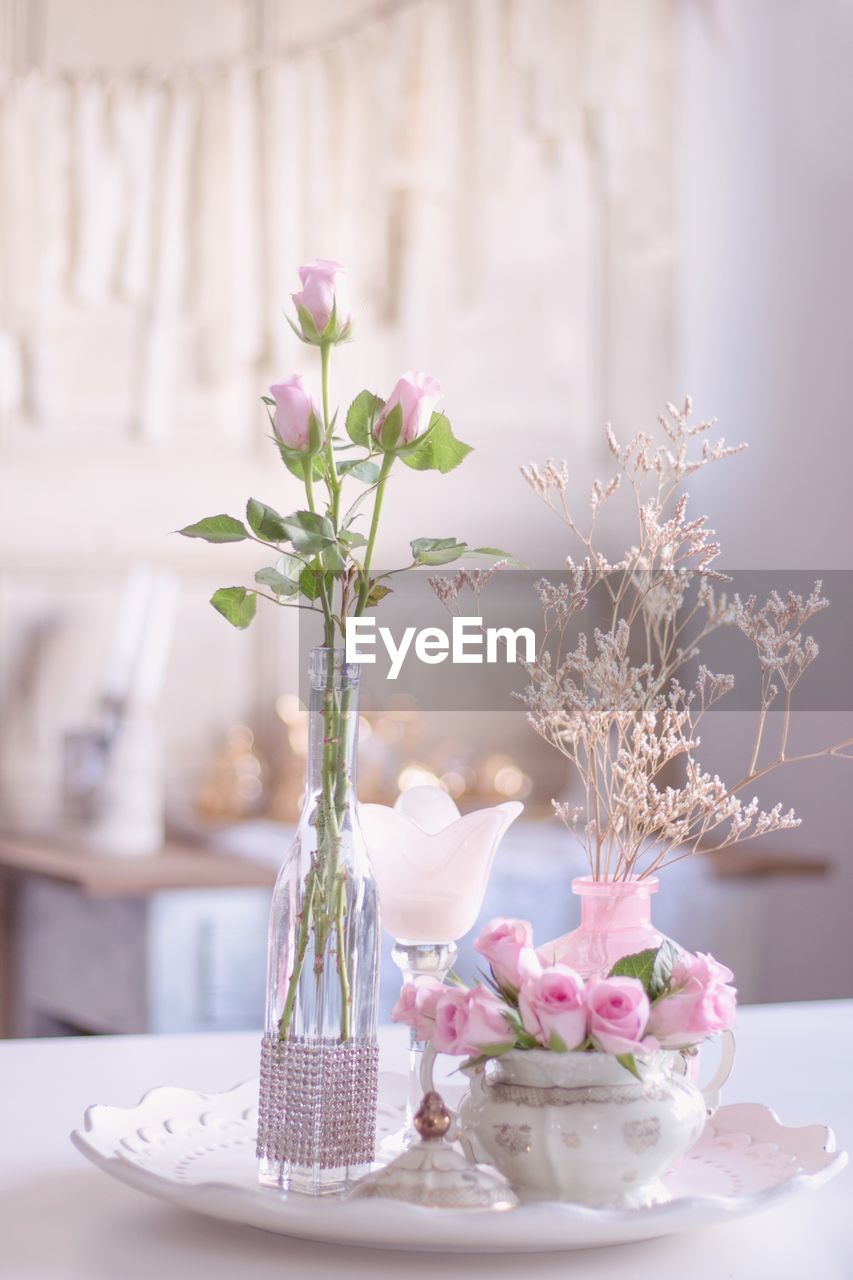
(197, 1150)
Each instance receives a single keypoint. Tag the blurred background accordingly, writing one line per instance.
(570, 211)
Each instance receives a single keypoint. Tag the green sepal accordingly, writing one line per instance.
(523, 1038)
(495, 1050)
(307, 330)
(298, 463)
(487, 1052)
(629, 1062)
(389, 435)
(315, 435)
(236, 604)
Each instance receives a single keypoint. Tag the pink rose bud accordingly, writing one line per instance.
(417, 394)
(702, 1004)
(618, 1013)
(467, 1022)
(296, 417)
(508, 947)
(324, 292)
(416, 1005)
(552, 1007)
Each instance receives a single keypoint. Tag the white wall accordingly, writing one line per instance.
(499, 178)
(767, 308)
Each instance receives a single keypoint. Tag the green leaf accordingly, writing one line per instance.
(639, 965)
(331, 558)
(308, 531)
(268, 401)
(361, 415)
(665, 961)
(437, 449)
(629, 1062)
(265, 522)
(557, 1044)
(283, 579)
(236, 604)
(217, 529)
(290, 566)
(376, 593)
(434, 551)
(494, 553)
(360, 469)
(352, 538)
(652, 967)
(310, 581)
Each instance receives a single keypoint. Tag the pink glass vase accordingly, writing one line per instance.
(616, 921)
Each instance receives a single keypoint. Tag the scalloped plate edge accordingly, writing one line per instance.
(542, 1226)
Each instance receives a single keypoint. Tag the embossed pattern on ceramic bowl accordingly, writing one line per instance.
(197, 1151)
(580, 1127)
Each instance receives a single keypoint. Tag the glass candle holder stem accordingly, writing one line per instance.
(418, 960)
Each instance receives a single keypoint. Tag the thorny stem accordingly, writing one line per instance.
(364, 590)
(325, 900)
(332, 479)
(301, 949)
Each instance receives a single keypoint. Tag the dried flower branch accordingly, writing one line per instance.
(615, 707)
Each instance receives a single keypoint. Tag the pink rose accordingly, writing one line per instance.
(618, 1013)
(417, 394)
(416, 1005)
(324, 288)
(702, 1004)
(508, 947)
(466, 1022)
(293, 409)
(553, 1005)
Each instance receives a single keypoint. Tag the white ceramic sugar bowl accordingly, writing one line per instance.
(580, 1127)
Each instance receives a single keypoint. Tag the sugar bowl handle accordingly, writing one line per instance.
(711, 1091)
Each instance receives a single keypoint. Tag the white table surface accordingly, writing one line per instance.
(60, 1219)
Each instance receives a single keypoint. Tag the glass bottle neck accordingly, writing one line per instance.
(332, 724)
(606, 906)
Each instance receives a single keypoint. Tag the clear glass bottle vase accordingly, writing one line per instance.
(319, 1056)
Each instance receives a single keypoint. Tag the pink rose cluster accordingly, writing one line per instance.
(325, 317)
(700, 1003)
(457, 1020)
(531, 1005)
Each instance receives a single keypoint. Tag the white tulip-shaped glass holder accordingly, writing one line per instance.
(431, 867)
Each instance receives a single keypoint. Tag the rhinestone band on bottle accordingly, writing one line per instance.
(318, 1098)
